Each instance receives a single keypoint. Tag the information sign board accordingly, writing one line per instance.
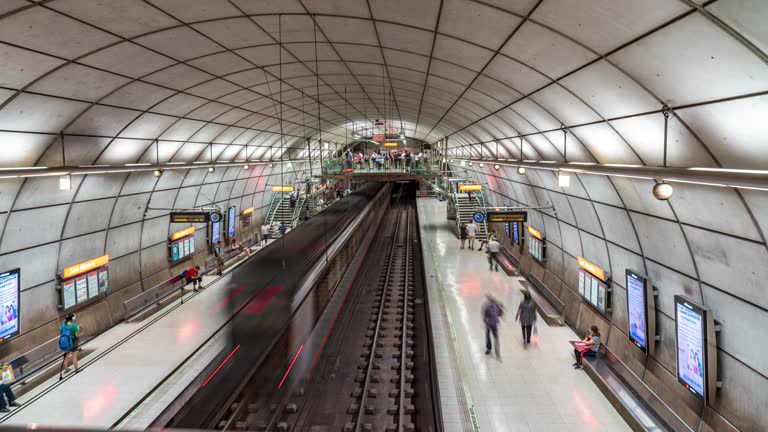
(507, 216)
(478, 217)
(535, 244)
(190, 217)
(593, 285)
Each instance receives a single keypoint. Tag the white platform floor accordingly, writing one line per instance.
(529, 389)
(117, 376)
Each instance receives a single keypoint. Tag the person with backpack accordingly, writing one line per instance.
(69, 335)
(492, 312)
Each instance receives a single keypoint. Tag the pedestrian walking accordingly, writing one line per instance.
(463, 234)
(471, 232)
(492, 312)
(526, 313)
(494, 247)
(218, 252)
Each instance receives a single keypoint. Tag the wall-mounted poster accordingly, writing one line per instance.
(93, 284)
(81, 288)
(691, 346)
(231, 221)
(215, 232)
(175, 251)
(68, 290)
(10, 284)
(103, 281)
(581, 283)
(185, 247)
(593, 285)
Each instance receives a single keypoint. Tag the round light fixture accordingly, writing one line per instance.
(482, 164)
(158, 173)
(470, 164)
(245, 167)
(662, 191)
(211, 169)
(521, 170)
(271, 165)
(497, 167)
(445, 160)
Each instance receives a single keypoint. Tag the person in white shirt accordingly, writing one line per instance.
(264, 233)
(471, 232)
(494, 247)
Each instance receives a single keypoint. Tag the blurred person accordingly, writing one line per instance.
(471, 233)
(463, 234)
(492, 312)
(218, 252)
(494, 247)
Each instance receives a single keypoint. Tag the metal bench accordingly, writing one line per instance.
(549, 306)
(634, 401)
(230, 256)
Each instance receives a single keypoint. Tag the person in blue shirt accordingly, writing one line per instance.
(283, 229)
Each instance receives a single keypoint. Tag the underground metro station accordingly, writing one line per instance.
(384, 215)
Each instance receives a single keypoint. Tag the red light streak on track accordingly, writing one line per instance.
(262, 299)
(221, 365)
(290, 367)
(96, 403)
(225, 301)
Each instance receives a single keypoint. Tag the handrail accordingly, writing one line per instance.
(297, 210)
(273, 208)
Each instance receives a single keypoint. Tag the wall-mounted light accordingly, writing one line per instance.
(482, 165)
(521, 170)
(158, 173)
(65, 182)
(245, 167)
(211, 169)
(563, 179)
(662, 191)
(470, 164)
(497, 167)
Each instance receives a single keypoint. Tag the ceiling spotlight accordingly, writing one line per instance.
(470, 164)
(271, 165)
(662, 191)
(497, 167)
(521, 170)
(158, 173)
(245, 167)
(211, 169)
(482, 164)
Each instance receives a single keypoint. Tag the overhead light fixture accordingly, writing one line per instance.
(158, 173)
(470, 164)
(271, 165)
(662, 191)
(445, 160)
(245, 167)
(521, 170)
(563, 179)
(65, 182)
(211, 169)
(482, 165)
(497, 167)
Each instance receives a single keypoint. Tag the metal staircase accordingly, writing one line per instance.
(466, 208)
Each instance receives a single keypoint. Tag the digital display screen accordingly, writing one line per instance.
(231, 221)
(516, 232)
(594, 291)
(636, 310)
(507, 230)
(215, 232)
(10, 284)
(175, 251)
(691, 355)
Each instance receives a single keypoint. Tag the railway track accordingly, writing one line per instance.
(358, 373)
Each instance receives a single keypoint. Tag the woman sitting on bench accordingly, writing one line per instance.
(587, 346)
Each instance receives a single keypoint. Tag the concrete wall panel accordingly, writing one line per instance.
(8, 190)
(621, 260)
(123, 272)
(29, 228)
(619, 309)
(757, 201)
(719, 209)
(742, 325)
(665, 384)
(666, 348)
(95, 186)
(562, 207)
(636, 195)
(744, 395)
(617, 226)
(600, 189)
(551, 230)
(663, 241)
(38, 306)
(155, 231)
(671, 283)
(129, 209)
(44, 257)
(586, 217)
(88, 217)
(154, 259)
(594, 249)
(186, 197)
(44, 191)
(138, 182)
(123, 240)
(555, 260)
(79, 249)
(571, 241)
(738, 266)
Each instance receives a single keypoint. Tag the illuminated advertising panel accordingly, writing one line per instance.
(690, 321)
(215, 232)
(231, 214)
(637, 310)
(516, 232)
(10, 284)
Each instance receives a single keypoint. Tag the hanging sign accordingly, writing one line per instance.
(507, 216)
(190, 217)
(469, 187)
(183, 233)
(478, 217)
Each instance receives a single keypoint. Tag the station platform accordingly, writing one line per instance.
(528, 389)
(135, 369)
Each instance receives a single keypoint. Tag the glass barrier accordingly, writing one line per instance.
(422, 166)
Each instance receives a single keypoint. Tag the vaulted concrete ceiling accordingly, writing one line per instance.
(115, 75)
